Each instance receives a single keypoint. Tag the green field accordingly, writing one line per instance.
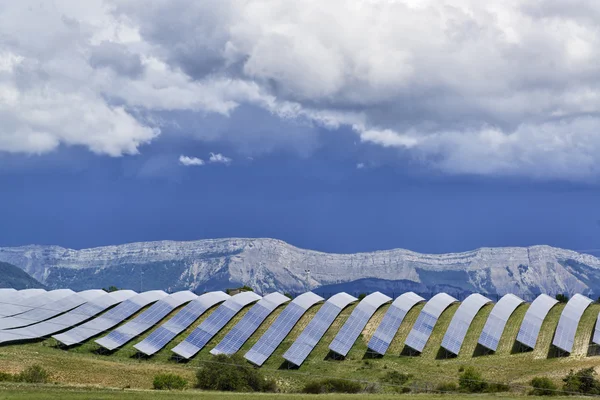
(124, 369)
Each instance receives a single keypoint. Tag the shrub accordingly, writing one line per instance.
(362, 296)
(470, 381)
(396, 378)
(169, 382)
(497, 387)
(232, 374)
(33, 374)
(583, 381)
(6, 377)
(543, 387)
(372, 388)
(332, 385)
(562, 298)
(447, 387)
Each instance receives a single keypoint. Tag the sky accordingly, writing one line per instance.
(340, 126)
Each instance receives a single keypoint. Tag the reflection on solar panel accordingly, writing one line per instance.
(145, 320)
(568, 322)
(345, 338)
(180, 322)
(26, 293)
(213, 324)
(68, 319)
(534, 317)
(242, 331)
(50, 310)
(110, 318)
(268, 342)
(461, 321)
(419, 334)
(494, 326)
(383, 336)
(35, 301)
(316, 328)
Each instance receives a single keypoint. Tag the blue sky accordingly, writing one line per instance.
(339, 127)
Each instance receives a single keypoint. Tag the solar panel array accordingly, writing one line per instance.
(180, 322)
(316, 328)
(145, 320)
(49, 310)
(28, 303)
(213, 324)
(461, 321)
(68, 319)
(421, 331)
(568, 322)
(534, 317)
(496, 322)
(345, 338)
(110, 318)
(270, 340)
(242, 331)
(383, 336)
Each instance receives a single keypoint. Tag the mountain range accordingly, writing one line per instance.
(269, 264)
(16, 278)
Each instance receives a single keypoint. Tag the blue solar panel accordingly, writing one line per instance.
(180, 322)
(344, 340)
(268, 342)
(28, 303)
(569, 321)
(534, 317)
(383, 336)
(145, 320)
(496, 322)
(242, 331)
(421, 331)
(316, 328)
(213, 324)
(461, 321)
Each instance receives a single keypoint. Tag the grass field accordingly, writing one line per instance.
(84, 366)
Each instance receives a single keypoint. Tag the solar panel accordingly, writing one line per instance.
(421, 331)
(345, 338)
(242, 331)
(26, 293)
(30, 302)
(316, 328)
(110, 318)
(496, 322)
(50, 309)
(534, 317)
(213, 324)
(281, 327)
(180, 322)
(461, 321)
(68, 319)
(383, 336)
(568, 322)
(145, 320)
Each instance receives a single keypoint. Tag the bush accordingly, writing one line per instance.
(33, 374)
(362, 296)
(543, 387)
(396, 378)
(6, 377)
(562, 298)
(232, 374)
(497, 387)
(169, 382)
(332, 386)
(583, 381)
(471, 381)
(447, 387)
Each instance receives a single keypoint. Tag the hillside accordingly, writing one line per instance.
(268, 264)
(14, 277)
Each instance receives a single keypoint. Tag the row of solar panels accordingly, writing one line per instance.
(76, 317)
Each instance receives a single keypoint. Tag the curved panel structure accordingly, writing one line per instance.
(27, 293)
(242, 331)
(145, 320)
(317, 327)
(268, 342)
(421, 331)
(110, 318)
(569, 321)
(50, 310)
(534, 317)
(36, 301)
(345, 338)
(68, 319)
(461, 321)
(180, 322)
(383, 336)
(213, 324)
(496, 322)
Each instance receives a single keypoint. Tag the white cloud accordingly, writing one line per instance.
(190, 161)
(360, 165)
(219, 159)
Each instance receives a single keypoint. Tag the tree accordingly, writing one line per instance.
(111, 289)
(562, 298)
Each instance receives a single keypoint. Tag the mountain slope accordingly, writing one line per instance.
(14, 277)
(268, 264)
